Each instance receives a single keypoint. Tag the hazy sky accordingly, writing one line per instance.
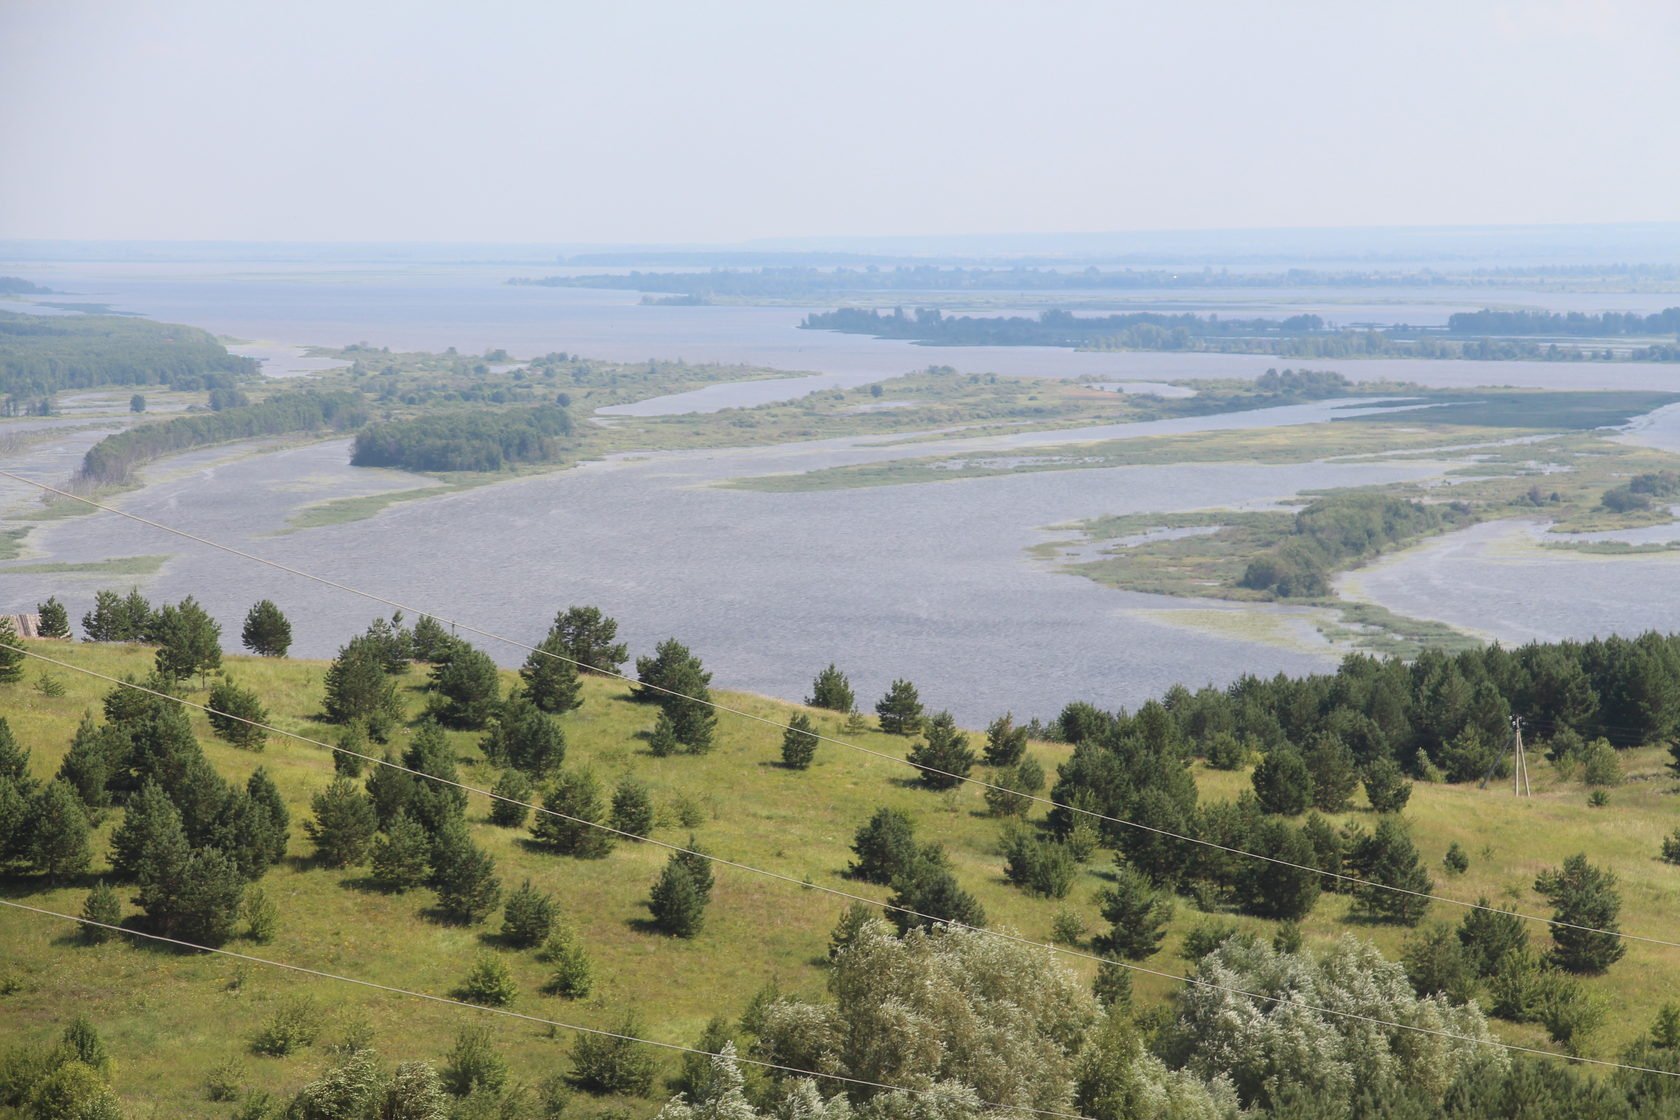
(717, 121)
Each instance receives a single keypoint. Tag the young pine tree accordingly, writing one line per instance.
(1585, 906)
(678, 906)
(58, 832)
(464, 876)
(900, 710)
(1137, 916)
(401, 856)
(55, 620)
(576, 798)
(662, 741)
(942, 756)
(799, 743)
(1006, 744)
(266, 632)
(343, 825)
(234, 715)
(528, 917)
(510, 807)
(189, 640)
(466, 688)
(104, 907)
(11, 652)
(1396, 884)
(1386, 787)
(1283, 783)
(832, 690)
(590, 639)
(885, 847)
(551, 678)
(632, 808)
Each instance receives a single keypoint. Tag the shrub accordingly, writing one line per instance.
(1456, 861)
(294, 1025)
(573, 974)
(1671, 847)
(1205, 937)
(1386, 788)
(262, 915)
(490, 982)
(1598, 799)
(1067, 928)
(1226, 752)
(473, 1064)
(225, 1081)
(604, 1064)
(1600, 765)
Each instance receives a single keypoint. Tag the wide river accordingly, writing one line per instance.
(932, 582)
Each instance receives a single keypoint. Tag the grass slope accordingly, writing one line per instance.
(170, 1018)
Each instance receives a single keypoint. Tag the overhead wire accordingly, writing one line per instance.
(954, 777)
(391, 989)
(805, 884)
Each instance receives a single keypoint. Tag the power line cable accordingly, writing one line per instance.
(803, 884)
(952, 776)
(390, 989)
(1195, 981)
(888, 906)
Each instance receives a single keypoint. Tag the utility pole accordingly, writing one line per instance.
(1519, 777)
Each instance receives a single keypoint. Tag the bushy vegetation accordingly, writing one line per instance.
(465, 440)
(1331, 532)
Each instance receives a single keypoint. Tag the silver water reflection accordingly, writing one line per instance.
(929, 582)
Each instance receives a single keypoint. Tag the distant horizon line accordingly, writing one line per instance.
(803, 242)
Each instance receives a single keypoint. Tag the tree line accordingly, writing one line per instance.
(1295, 336)
(113, 459)
(1579, 324)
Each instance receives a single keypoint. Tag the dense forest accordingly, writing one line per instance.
(1301, 336)
(465, 440)
(112, 460)
(42, 355)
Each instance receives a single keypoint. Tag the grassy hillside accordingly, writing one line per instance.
(170, 1018)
